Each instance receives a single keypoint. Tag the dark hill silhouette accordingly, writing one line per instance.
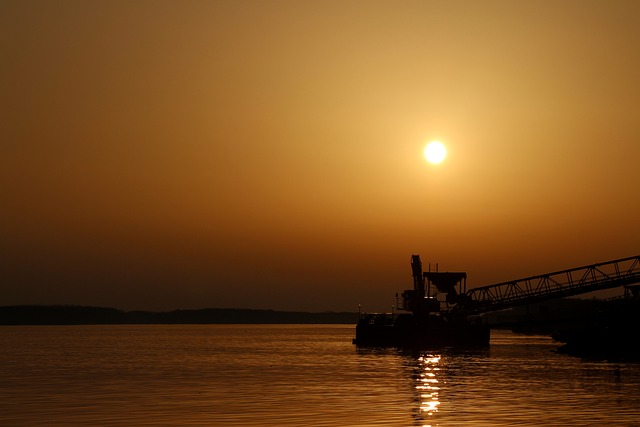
(82, 315)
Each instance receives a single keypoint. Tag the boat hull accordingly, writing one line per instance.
(421, 333)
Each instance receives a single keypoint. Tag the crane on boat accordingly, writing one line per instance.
(443, 313)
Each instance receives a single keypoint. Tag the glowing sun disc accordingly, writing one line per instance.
(435, 152)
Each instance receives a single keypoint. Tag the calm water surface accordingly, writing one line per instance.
(301, 375)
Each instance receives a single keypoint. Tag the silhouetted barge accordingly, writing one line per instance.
(612, 331)
(431, 319)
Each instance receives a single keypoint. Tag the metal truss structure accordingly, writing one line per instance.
(576, 281)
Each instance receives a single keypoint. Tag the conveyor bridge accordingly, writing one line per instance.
(565, 283)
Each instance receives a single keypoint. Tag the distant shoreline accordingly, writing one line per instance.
(87, 315)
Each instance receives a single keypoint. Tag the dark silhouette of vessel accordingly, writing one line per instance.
(610, 331)
(429, 319)
(440, 312)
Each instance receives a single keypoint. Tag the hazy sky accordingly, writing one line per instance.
(268, 154)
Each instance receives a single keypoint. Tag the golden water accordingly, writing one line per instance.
(297, 375)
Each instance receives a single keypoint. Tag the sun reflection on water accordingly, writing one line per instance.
(428, 384)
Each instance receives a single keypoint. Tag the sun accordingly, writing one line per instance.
(435, 152)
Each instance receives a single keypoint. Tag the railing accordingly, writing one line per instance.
(559, 284)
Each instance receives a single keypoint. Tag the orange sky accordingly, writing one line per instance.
(268, 154)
